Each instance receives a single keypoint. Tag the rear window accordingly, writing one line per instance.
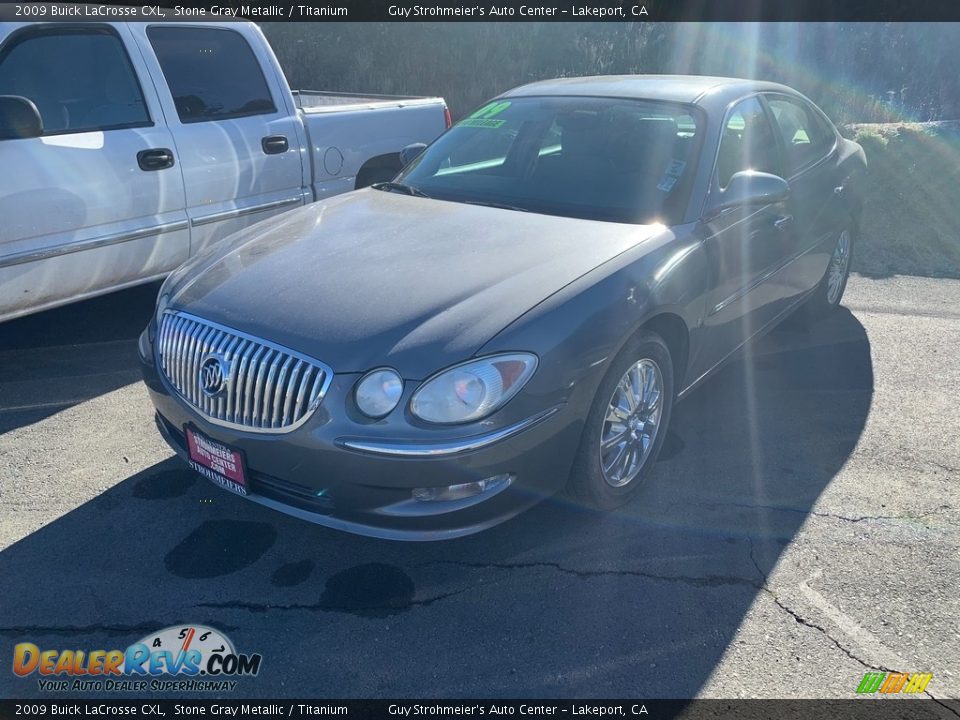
(609, 159)
(212, 73)
(805, 135)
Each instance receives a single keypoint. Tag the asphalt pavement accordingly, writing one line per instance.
(801, 528)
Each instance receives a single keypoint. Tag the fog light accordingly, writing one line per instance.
(461, 491)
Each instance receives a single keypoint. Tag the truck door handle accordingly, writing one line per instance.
(274, 144)
(783, 222)
(155, 159)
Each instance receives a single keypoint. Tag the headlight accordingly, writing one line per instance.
(378, 392)
(472, 390)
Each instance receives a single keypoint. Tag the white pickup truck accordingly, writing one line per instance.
(126, 148)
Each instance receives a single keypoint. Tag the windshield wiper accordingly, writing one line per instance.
(400, 187)
(499, 205)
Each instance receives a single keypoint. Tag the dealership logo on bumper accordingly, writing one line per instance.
(179, 658)
(213, 375)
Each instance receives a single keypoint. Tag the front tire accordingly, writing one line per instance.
(626, 426)
(828, 294)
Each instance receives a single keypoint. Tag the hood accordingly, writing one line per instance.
(374, 278)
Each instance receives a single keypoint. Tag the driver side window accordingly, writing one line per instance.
(79, 78)
(748, 143)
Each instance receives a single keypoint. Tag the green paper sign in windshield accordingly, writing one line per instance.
(484, 117)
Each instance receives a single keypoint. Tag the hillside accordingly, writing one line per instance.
(911, 223)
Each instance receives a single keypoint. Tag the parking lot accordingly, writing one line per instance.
(801, 527)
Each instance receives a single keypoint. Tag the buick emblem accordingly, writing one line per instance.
(213, 376)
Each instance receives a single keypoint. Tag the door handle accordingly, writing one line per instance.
(783, 222)
(155, 159)
(274, 144)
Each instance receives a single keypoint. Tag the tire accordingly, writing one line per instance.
(594, 479)
(829, 292)
(383, 171)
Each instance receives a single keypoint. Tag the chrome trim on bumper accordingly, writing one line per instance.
(403, 448)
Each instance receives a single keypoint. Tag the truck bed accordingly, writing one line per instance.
(314, 101)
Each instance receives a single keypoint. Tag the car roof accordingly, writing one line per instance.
(692, 89)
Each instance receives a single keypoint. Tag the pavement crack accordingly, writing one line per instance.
(753, 559)
(695, 580)
(327, 607)
(943, 509)
(822, 630)
(941, 703)
(147, 627)
(765, 587)
(946, 468)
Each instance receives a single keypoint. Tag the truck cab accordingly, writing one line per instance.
(157, 140)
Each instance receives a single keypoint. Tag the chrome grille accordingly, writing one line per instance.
(264, 387)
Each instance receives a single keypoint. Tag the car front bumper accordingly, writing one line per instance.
(359, 477)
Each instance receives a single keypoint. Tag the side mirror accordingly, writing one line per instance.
(19, 118)
(411, 152)
(749, 187)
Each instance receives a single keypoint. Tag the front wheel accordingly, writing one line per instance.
(626, 425)
(826, 298)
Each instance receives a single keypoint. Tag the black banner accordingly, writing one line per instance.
(859, 709)
(492, 10)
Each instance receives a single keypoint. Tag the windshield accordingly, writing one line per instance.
(620, 160)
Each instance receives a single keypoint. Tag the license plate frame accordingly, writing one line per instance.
(220, 463)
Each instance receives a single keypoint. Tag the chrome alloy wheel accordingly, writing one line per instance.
(837, 271)
(632, 422)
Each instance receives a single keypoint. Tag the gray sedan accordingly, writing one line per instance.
(517, 312)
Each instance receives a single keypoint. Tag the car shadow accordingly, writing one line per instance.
(61, 357)
(558, 602)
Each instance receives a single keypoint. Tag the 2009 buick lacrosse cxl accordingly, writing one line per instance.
(517, 311)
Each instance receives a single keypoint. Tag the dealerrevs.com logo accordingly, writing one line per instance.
(178, 658)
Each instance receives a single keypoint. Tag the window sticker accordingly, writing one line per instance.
(491, 109)
(666, 185)
(671, 175)
(676, 168)
(480, 123)
(483, 118)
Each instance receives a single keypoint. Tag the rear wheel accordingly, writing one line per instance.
(826, 298)
(626, 425)
(382, 169)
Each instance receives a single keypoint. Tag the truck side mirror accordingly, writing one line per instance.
(19, 118)
(411, 152)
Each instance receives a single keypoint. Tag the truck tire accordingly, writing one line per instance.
(378, 169)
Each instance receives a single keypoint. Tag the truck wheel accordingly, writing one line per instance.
(626, 425)
(381, 169)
